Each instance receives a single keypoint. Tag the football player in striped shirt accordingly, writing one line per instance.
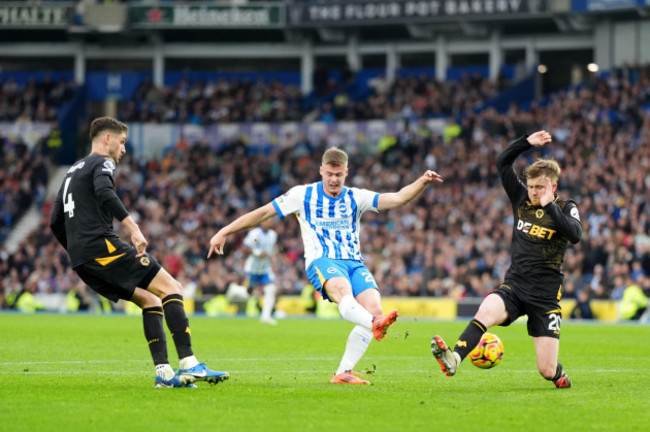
(260, 243)
(329, 214)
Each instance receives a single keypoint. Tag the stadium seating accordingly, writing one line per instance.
(453, 242)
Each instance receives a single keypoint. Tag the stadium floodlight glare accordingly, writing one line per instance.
(541, 68)
(592, 67)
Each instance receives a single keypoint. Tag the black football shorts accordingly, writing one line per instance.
(118, 278)
(544, 315)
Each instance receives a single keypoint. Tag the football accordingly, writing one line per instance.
(488, 353)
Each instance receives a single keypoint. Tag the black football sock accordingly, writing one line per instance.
(152, 321)
(469, 338)
(178, 324)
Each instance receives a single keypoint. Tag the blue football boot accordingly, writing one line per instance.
(201, 372)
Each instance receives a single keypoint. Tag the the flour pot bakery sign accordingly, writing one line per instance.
(379, 12)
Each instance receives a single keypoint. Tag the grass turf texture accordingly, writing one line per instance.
(86, 372)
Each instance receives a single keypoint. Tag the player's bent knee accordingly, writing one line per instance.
(164, 284)
(547, 371)
(145, 299)
(375, 310)
(173, 287)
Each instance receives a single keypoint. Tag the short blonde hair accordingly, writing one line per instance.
(544, 167)
(334, 156)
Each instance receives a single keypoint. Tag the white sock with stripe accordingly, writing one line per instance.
(354, 312)
(358, 342)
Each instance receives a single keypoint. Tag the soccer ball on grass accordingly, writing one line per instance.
(488, 352)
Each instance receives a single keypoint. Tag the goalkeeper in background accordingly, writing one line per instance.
(542, 227)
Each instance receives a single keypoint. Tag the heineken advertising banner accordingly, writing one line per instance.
(381, 12)
(208, 16)
(34, 15)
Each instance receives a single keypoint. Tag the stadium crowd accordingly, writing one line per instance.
(34, 101)
(23, 180)
(452, 242)
(244, 100)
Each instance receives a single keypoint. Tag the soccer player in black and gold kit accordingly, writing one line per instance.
(543, 226)
(82, 221)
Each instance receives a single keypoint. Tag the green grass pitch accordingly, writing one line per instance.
(94, 373)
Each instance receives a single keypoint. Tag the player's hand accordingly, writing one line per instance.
(216, 244)
(139, 242)
(431, 176)
(539, 138)
(548, 195)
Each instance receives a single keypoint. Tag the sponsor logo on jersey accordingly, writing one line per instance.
(334, 224)
(535, 230)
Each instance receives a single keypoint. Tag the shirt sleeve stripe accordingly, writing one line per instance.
(277, 209)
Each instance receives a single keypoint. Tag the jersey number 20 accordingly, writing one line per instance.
(68, 203)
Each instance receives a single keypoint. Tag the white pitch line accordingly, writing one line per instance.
(294, 371)
(62, 362)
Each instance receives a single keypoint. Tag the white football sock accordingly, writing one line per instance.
(354, 312)
(358, 343)
(165, 371)
(269, 301)
(187, 362)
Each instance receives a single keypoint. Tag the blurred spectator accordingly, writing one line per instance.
(582, 309)
(634, 302)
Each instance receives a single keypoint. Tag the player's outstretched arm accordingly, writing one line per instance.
(243, 222)
(408, 193)
(539, 138)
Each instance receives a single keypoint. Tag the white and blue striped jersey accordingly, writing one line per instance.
(329, 226)
(263, 241)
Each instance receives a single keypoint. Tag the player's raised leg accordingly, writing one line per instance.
(364, 309)
(169, 290)
(360, 336)
(492, 311)
(448, 360)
